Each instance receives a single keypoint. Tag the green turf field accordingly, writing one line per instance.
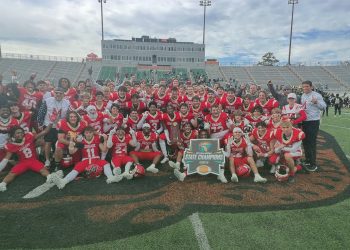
(319, 227)
(325, 227)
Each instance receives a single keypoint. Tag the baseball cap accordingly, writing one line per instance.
(90, 108)
(292, 95)
(146, 125)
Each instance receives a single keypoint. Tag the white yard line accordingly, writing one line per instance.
(335, 126)
(39, 190)
(199, 232)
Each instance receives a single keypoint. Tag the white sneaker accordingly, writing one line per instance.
(127, 175)
(234, 178)
(165, 159)
(117, 171)
(59, 182)
(112, 179)
(222, 178)
(152, 169)
(259, 163)
(3, 187)
(50, 177)
(259, 179)
(47, 164)
(180, 176)
(273, 169)
(174, 165)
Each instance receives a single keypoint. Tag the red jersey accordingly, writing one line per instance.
(208, 104)
(217, 124)
(122, 101)
(239, 149)
(25, 150)
(176, 102)
(140, 107)
(91, 149)
(263, 142)
(70, 131)
(25, 120)
(71, 94)
(161, 101)
(154, 120)
(29, 101)
(231, 106)
(120, 146)
(297, 135)
(269, 105)
(133, 123)
(97, 124)
(186, 118)
(248, 108)
(115, 120)
(5, 128)
(169, 122)
(101, 107)
(188, 100)
(272, 125)
(254, 120)
(185, 139)
(146, 142)
(198, 111)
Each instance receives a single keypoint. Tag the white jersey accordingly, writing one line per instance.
(56, 110)
(292, 112)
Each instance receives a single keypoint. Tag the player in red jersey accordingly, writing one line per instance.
(238, 121)
(189, 96)
(90, 146)
(121, 99)
(153, 117)
(256, 116)
(6, 123)
(80, 106)
(274, 122)
(95, 118)
(263, 142)
(24, 118)
(265, 103)
(28, 98)
(186, 135)
(136, 104)
(70, 93)
(247, 105)
(100, 103)
(113, 118)
(230, 103)
(239, 153)
(131, 121)
(68, 129)
(146, 148)
(161, 97)
(171, 121)
(187, 116)
(211, 100)
(294, 111)
(119, 142)
(22, 144)
(198, 108)
(288, 145)
(175, 98)
(218, 123)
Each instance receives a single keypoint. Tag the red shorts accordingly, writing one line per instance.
(148, 156)
(119, 160)
(239, 161)
(162, 137)
(81, 166)
(26, 165)
(61, 145)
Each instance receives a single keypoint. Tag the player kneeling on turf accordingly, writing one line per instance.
(240, 154)
(22, 144)
(119, 142)
(90, 146)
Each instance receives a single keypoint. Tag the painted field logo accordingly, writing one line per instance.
(204, 157)
(109, 212)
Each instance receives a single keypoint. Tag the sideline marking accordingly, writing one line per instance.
(335, 126)
(39, 190)
(199, 232)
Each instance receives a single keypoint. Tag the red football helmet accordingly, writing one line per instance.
(243, 170)
(67, 161)
(138, 171)
(93, 171)
(282, 173)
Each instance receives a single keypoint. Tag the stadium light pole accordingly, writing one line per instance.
(102, 1)
(204, 3)
(292, 2)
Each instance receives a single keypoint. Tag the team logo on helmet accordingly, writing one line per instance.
(93, 171)
(243, 170)
(282, 173)
(138, 171)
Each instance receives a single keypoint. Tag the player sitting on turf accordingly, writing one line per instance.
(146, 148)
(240, 153)
(263, 141)
(22, 144)
(119, 142)
(90, 146)
(288, 145)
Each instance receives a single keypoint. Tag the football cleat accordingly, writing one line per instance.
(234, 178)
(152, 169)
(174, 165)
(117, 171)
(3, 187)
(165, 160)
(180, 176)
(221, 177)
(112, 179)
(259, 179)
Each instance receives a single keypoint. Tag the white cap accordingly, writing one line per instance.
(90, 108)
(292, 95)
(237, 129)
(146, 125)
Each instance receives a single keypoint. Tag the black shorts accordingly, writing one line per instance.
(51, 136)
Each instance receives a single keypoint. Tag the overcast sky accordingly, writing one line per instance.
(238, 30)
